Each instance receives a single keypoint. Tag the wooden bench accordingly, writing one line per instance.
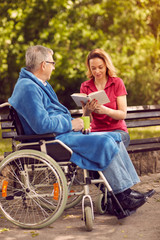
(139, 116)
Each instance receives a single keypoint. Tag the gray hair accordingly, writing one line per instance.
(35, 55)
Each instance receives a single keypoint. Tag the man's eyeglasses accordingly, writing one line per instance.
(53, 63)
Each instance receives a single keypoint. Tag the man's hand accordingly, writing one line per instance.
(77, 124)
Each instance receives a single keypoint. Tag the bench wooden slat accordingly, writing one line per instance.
(11, 134)
(145, 141)
(5, 117)
(143, 148)
(142, 115)
(143, 108)
(146, 123)
(7, 125)
(76, 113)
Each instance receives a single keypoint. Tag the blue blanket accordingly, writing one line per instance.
(41, 112)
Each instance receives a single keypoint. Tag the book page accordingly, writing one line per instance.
(100, 96)
(79, 94)
(79, 97)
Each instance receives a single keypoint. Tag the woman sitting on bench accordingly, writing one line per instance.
(102, 76)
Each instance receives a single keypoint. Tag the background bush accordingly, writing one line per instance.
(128, 30)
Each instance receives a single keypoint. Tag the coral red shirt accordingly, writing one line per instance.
(114, 88)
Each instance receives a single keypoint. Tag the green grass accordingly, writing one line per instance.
(146, 132)
(135, 133)
(5, 145)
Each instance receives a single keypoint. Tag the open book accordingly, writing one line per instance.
(100, 96)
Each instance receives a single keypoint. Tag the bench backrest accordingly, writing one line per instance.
(143, 116)
(137, 116)
(8, 122)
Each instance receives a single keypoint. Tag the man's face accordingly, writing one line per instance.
(49, 66)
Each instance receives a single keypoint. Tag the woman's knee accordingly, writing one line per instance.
(125, 137)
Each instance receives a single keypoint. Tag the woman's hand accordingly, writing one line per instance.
(117, 114)
(100, 109)
(89, 107)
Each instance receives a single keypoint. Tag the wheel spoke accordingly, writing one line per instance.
(29, 200)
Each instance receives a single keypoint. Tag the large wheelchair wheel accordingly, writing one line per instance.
(34, 192)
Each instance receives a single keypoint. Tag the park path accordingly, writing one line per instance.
(142, 225)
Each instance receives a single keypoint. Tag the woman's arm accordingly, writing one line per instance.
(118, 114)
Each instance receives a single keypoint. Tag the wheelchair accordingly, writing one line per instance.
(40, 182)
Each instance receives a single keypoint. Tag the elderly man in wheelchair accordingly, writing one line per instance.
(40, 112)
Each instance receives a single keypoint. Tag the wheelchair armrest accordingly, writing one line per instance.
(48, 136)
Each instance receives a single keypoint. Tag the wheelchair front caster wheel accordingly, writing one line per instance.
(100, 205)
(88, 218)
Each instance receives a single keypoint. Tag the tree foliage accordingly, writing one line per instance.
(128, 30)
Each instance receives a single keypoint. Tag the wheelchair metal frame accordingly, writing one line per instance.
(87, 211)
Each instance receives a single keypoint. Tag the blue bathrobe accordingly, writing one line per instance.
(41, 112)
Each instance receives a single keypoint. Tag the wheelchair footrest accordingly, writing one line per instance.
(115, 208)
(124, 214)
